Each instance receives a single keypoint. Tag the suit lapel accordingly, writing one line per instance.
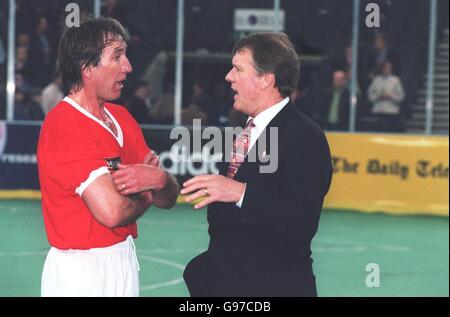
(247, 168)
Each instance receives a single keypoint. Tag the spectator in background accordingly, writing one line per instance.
(52, 94)
(34, 105)
(41, 54)
(380, 54)
(113, 9)
(21, 83)
(138, 104)
(22, 63)
(163, 111)
(191, 112)
(301, 99)
(2, 54)
(20, 107)
(2, 78)
(155, 72)
(221, 101)
(26, 106)
(201, 103)
(2, 104)
(386, 94)
(335, 107)
(23, 39)
(343, 60)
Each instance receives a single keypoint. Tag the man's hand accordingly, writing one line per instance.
(137, 178)
(215, 188)
(152, 159)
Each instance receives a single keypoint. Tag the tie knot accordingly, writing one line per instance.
(249, 124)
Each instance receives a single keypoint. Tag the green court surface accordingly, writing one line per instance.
(412, 252)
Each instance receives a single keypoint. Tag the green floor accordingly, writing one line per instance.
(412, 252)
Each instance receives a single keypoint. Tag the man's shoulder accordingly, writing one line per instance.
(119, 111)
(301, 122)
(61, 121)
(59, 114)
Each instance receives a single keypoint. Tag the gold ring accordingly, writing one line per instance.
(205, 192)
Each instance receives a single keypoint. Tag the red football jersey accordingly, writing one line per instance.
(73, 149)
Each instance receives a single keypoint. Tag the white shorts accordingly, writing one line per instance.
(110, 271)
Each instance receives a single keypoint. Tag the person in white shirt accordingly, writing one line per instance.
(386, 94)
(52, 94)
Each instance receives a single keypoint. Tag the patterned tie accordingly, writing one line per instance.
(240, 149)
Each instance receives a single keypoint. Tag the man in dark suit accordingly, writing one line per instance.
(261, 223)
(336, 104)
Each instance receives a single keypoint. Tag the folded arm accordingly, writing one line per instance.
(109, 207)
(142, 178)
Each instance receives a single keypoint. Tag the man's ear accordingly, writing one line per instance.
(86, 71)
(268, 80)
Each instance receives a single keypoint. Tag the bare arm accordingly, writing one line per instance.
(109, 207)
(167, 196)
(141, 178)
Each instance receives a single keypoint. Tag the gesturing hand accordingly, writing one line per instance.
(215, 188)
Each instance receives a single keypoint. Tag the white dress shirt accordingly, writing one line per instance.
(261, 121)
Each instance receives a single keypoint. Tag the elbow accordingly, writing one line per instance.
(111, 218)
(171, 203)
(166, 204)
(173, 199)
(111, 221)
(170, 199)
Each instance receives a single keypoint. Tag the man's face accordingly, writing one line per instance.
(379, 43)
(339, 79)
(245, 82)
(109, 75)
(387, 69)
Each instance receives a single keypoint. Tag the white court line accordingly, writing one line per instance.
(338, 249)
(383, 247)
(12, 210)
(163, 284)
(159, 251)
(163, 262)
(23, 253)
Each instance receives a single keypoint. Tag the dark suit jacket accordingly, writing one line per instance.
(344, 110)
(263, 248)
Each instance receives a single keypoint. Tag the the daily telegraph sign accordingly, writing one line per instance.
(372, 172)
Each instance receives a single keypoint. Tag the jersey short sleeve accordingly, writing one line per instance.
(69, 156)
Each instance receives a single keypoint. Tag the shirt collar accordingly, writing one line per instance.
(262, 119)
(119, 136)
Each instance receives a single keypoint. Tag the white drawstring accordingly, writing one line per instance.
(132, 248)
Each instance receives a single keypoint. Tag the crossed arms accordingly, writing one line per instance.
(119, 198)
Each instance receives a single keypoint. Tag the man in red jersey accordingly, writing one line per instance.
(90, 214)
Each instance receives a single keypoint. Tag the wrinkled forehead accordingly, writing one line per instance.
(114, 45)
(113, 39)
(243, 55)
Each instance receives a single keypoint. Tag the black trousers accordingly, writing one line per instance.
(201, 283)
(196, 276)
